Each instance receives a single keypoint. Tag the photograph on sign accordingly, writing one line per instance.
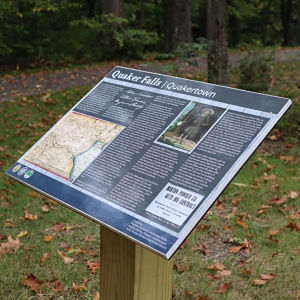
(192, 124)
(146, 154)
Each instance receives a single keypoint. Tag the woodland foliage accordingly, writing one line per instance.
(76, 31)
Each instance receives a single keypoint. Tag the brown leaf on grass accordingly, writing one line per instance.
(224, 273)
(217, 266)
(89, 238)
(32, 282)
(236, 249)
(188, 293)
(48, 238)
(80, 287)
(59, 227)
(273, 232)
(287, 158)
(267, 276)
(93, 266)
(278, 201)
(29, 216)
(93, 253)
(44, 258)
(10, 245)
(179, 268)
(202, 298)
(293, 226)
(47, 206)
(293, 195)
(97, 296)
(223, 288)
(9, 224)
(57, 286)
(67, 260)
(240, 222)
(202, 248)
(259, 282)
(212, 276)
(237, 201)
(246, 271)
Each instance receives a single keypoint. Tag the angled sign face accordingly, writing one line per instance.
(146, 155)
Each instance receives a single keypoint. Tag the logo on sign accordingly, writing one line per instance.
(28, 174)
(16, 168)
(22, 171)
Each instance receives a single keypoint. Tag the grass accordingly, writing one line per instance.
(245, 203)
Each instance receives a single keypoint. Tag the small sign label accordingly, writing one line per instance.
(174, 204)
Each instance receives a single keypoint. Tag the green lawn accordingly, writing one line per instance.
(247, 247)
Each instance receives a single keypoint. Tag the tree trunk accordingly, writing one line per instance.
(91, 8)
(286, 18)
(217, 52)
(115, 7)
(178, 27)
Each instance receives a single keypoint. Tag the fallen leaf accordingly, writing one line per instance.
(48, 238)
(44, 258)
(246, 271)
(293, 195)
(273, 232)
(180, 268)
(59, 227)
(22, 233)
(236, 249)
(223, 288)
(67, 260)
(29, 216)
(188, 293)
(259, 282)
(89, 238)
(10, 245)
(9, 224)
(240, 222)
(32, 282)
(293, 226)
(93, 266)
(287, 158)
(236, 202)
(56, 285)
(224, 273)
(202, 248)
(278, 201)
(217, 267)
(97, 296)
(80, 287)
(267, 276)
(213, 277)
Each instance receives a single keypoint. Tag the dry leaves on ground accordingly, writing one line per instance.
(10, 245)
(32, 282)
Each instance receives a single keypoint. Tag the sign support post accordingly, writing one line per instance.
(131, 272)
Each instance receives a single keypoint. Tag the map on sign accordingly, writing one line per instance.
(73, 145)
(147, 155)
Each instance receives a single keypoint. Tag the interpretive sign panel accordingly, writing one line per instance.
(147, 155)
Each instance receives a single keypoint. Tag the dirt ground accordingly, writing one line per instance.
(25, 84)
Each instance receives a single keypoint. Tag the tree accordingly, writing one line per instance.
(286, 8)
(115, 7)
(178, 23)
(217, 51)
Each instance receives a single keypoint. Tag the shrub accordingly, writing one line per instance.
(255, 69)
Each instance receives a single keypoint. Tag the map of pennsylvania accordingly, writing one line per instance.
(73, 144)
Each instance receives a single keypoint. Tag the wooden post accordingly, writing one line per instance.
(130, 272)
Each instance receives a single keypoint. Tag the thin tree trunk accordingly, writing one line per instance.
(178, 26)
(286, 18)
(115, 7)
(217, 52)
